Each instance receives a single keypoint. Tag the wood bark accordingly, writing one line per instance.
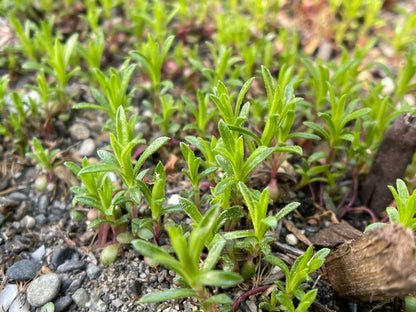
(379, 264)
(394, 154)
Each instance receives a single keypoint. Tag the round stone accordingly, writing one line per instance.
(43, 289)
(24, 270)
(87, 147)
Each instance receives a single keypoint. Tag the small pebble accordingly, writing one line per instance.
(61, 254)
(62, 303)
(388, 85)
(79, 132)
(117, 303)
(18, 196)
(93, 270)
(43, 289)
(43, 203)
(75, 285)
(291, 239)
(24, 270)
(87, 147)
(70, 265)
(19, 304)
(7, 295)
(38, 254)
(28, 222)
(81, 297)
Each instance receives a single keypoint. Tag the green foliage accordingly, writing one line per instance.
(151, 57)
(187, 264)
(406, 207)
(295, 286)
(45, 158)
(115, 95)
(257, 207)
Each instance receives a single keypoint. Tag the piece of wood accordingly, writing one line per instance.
(379, 264)
(394, 154)
(335, 234)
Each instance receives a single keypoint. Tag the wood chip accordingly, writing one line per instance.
(379, 264)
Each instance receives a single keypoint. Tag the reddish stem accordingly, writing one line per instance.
(248, 294)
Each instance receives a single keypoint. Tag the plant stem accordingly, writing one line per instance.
(248, 294)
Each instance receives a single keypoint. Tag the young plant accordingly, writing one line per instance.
(223, 64)
(120, 161)
(115, 95)
(282, 299)
(187, 265)
(406, 207)
(57, 64)
(201, 113)
(164, 120)
(155, 197)
(46, 159)
(93, 52)
(230, 157)
(193, 172)
(151, 58)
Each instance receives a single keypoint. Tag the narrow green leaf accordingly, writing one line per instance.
(163, 296)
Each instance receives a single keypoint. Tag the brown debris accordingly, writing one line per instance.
(379, 264)
(394, 154)
(335, 234)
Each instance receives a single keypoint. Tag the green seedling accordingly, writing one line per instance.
(404, 30)
(164, 120)
(161, 18)
(207, 149)
(94, 51)
(24, 34)
(201, 112)
(115, 95)
(57, 64)
(155, 197)
(108, 5)
(187, 264)
(46, 159)
(282, 299)
(223, 64)
(406, 207)
(122, 144)
(233, 114)
(193, 173)
(257, 205)
(4, 82)
(151, 57)
(109, 204)
(340, 115)
(93, 15)
(230, 157)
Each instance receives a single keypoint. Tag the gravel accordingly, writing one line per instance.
(24, 270)
(43, 289)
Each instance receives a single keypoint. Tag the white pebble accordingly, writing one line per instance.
(291, 239)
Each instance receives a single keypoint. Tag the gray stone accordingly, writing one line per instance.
(39, 253)
(18, 196)
(93, 270)
(61, 254)
(24, 270)
(70, 265)
(79, 132)
(117, 303)
(43, 203)
(7, 295)
(75, 285)
(87, 147)
(43, 289)
(62, 303)
(97, 305)
(81, 297)
(28, 222)
(19, 304)
(7, 204)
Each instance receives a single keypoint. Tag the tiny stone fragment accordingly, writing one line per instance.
(81, 298)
